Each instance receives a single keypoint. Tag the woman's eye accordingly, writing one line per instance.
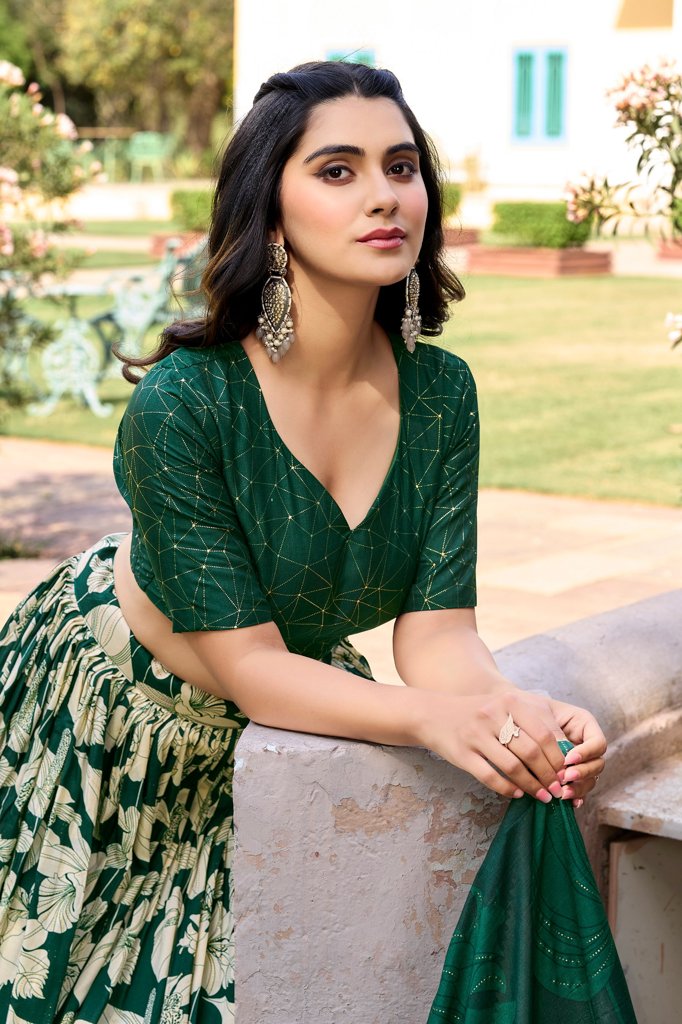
(403, 169)
(335, 173)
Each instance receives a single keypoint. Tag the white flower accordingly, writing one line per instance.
(65, 127)
(10, 74)
(101, 576)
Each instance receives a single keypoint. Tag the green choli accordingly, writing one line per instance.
(230, 529)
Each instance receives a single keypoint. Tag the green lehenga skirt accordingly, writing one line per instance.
(115, 818)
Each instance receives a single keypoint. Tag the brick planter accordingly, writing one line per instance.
(460, 236)
(670, 250)
(521, 261)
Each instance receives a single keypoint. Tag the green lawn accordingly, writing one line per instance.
(127, 227)
(580, 392)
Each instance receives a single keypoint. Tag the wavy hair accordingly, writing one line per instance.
(246, 207)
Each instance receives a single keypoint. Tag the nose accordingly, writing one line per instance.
(381, 196)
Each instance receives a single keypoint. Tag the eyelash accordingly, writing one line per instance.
(410, 170)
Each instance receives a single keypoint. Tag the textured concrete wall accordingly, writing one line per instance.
(353, 861)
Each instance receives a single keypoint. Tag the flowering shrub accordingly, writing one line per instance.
(648, 104)
(40, 164)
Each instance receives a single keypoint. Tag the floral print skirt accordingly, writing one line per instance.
(115, 818)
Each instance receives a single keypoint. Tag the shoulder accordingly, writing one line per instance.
(431, 376)
(442, 365)
(194, 380)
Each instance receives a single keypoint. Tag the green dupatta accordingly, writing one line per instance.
(532, 945)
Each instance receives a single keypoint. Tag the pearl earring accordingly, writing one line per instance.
(412, 321)
(275, 326)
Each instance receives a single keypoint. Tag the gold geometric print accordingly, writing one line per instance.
(230, 529)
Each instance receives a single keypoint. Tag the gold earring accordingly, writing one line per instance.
(275, 326)
(412, 321)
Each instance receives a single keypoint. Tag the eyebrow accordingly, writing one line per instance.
(332, 150)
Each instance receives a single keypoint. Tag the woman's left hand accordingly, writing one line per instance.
(585, 761)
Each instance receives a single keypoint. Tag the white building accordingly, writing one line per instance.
(513, 91)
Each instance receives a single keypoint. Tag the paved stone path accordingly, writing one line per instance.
(544, 560)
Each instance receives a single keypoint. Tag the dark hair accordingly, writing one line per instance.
(246, 207)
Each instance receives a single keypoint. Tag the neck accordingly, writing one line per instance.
(336, 335)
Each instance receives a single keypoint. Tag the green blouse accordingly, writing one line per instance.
(230, 529)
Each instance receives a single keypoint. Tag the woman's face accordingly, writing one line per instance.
(353, 202)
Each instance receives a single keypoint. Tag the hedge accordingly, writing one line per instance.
(541, 224)
(191, 208)
(452, 197)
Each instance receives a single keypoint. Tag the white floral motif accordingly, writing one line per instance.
(101, 576)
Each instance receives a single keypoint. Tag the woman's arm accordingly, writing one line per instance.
(252, 667)
(442, 651)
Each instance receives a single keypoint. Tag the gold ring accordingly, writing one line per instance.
(508, 731)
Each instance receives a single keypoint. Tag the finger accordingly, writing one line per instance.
(579, 789)
(578, 772)
(506, 761)
(485, 773)
(537, 748)
(584, 732)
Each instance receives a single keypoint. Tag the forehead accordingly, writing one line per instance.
(354, 120)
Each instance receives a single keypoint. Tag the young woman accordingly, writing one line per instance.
(297, 470)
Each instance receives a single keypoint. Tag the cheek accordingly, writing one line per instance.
(310, 212)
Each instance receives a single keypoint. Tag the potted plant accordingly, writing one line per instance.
(538, 241)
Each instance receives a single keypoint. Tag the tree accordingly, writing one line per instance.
(156, 63)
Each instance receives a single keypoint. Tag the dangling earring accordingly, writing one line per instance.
(412, 321)
(275, 326)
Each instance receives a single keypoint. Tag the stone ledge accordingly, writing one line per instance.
(353, 861)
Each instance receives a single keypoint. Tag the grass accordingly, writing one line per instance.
(113, 259)
(131, 228)
(578, 387)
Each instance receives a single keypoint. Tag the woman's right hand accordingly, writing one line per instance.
(465, 731)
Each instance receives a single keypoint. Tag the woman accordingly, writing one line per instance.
(296, 472)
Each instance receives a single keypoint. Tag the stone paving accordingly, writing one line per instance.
(544, 560)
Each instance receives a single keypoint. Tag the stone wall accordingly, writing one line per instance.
(353, 861)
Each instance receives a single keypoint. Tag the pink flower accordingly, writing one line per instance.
(66, 128)
(10, 74)
(37, 109)
(8, 175)
(33, 89)
(38, 244)
(6, 241)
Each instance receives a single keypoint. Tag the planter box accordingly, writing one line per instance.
(520, 261)
(670, 250)
(188, 241)
(460, 236)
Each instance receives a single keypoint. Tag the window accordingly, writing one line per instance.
(353, 57)
(539, 95)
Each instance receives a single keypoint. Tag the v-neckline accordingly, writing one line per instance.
(397, 354)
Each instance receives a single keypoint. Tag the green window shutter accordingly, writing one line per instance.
(554, 110)
(523, 117)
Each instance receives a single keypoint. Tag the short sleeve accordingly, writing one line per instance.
(446, 569)
(187, 540)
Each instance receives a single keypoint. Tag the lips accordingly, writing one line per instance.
(382, 233)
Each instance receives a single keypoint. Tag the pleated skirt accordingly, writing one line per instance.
(115, 818)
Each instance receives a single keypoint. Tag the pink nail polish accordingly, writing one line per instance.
(544, 796)
(571, 775)
(555, 790)
(517, 794)
(578, 803)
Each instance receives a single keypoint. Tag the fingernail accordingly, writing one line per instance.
(572, 757)
(544, 796)
(517, 793)
(560, 775)
(567, 793)
(555, 790)
(571, 775)
(578, 803)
